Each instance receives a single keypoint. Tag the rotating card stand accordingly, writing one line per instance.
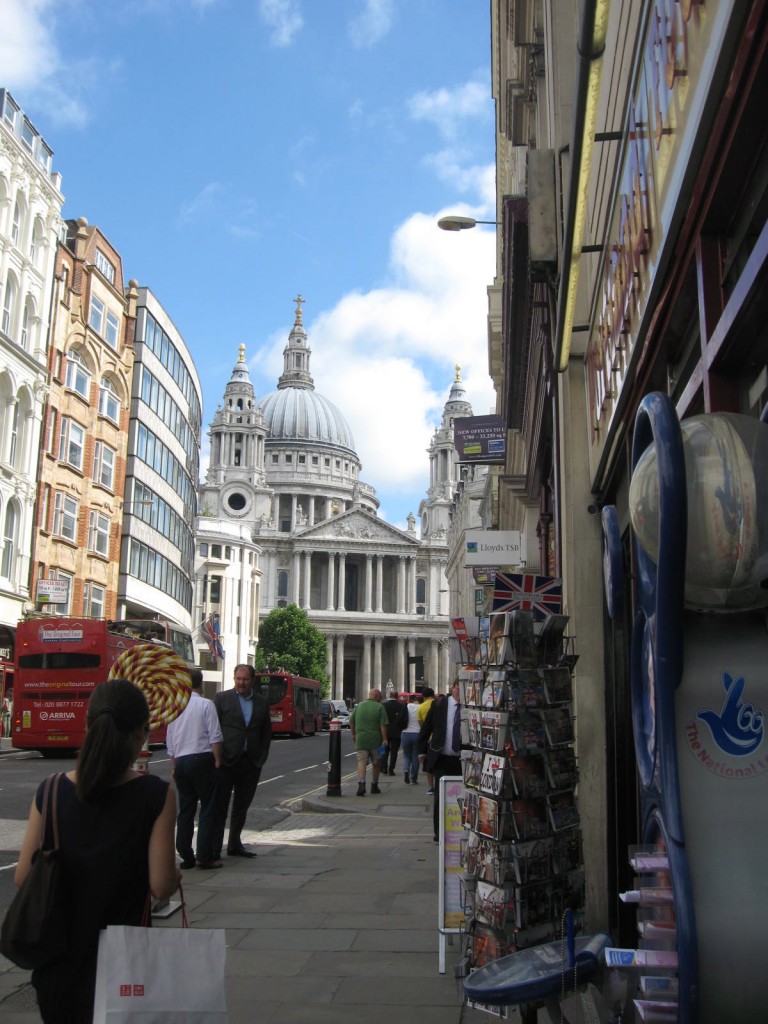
(539, 975)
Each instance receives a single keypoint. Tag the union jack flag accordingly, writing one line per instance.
(211, 632)
(542, 595)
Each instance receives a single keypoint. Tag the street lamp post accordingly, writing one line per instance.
(456, 223)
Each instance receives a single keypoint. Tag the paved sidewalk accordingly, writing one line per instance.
(336, 921)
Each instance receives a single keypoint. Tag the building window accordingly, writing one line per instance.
(421, 595)
(104, 266)
(109, 403)
(327, 462)
(289, 459)
(93, 600)
(8, 563)
(203, 550)
(96, 316)
(302, 459)
(216, 551)
(71, 443)
(65, 517)
(78, 378)
(215, 590)
(16, 228)
(113, 330)
(13, 447)
(25, 328)
(98, 534)
(104, 465)
(282, 589)
(275, 459)
(9, 301)
(45, 502)
(315, 460)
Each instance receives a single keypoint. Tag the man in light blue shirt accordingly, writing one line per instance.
(193, 741)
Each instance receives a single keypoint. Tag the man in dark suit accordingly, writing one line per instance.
(247, 731)
(440, 737)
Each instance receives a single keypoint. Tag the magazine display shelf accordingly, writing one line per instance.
(522, 854)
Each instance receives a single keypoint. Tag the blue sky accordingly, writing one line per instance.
(239, 152)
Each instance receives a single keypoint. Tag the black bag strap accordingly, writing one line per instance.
(51, 787)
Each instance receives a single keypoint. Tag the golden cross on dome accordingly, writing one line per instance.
(299, 300)
(458, 372)
(241, 357)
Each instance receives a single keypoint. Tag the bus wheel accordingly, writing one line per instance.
(62, 752)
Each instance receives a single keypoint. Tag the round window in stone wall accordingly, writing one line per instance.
(237, 501)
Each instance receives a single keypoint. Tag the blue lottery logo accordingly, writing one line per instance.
(737, 728)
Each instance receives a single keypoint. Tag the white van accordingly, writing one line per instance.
(340, 710)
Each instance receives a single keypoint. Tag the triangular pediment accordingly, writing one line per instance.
(359, 526)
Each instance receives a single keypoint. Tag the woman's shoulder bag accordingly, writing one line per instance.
(35, 928)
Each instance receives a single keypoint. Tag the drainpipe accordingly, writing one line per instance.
(591, 46)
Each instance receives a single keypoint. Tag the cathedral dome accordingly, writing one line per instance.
(296, 412)
(300, 414)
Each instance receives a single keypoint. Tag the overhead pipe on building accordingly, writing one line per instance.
(591, 46)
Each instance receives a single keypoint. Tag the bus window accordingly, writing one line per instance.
(59, 659)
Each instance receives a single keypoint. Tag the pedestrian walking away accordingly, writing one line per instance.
(397, 720)
(441, 735)
(247, 734)
(427, 699)
(193, 742)
(115, 845)
(368, 724)
(409, 741)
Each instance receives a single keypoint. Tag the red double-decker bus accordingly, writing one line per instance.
(58, 663)
(294, 703)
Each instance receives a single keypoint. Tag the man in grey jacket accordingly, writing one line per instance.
(247, 730)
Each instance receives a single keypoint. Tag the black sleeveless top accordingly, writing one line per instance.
(104, 845)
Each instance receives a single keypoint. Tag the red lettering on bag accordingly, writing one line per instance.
(138, 990)
(125, 990)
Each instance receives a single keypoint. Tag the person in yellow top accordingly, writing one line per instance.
(428, 696)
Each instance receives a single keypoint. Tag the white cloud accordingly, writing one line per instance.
(371, 24)
(284, 18)
(447, 108)
(200, 205)
(387, 357)
(28, 53)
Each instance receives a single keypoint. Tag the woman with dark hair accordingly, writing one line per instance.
(116, 835)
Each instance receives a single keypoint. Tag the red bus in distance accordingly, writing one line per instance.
(294, 703)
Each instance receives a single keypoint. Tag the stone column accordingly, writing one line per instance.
(338, 685)
(342, 580)
(295, 576)
(433, 676)
(409, 668)
(377, 680)
(368, 683)
(401, 585)
(400, 665)
(379, 582)
(307, 579)
(293, 512)
(331, 580)
(368, 582)
(329, 638)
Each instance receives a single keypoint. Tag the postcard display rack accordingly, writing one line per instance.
(522, 857)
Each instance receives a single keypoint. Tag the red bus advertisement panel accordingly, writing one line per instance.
(294, 703)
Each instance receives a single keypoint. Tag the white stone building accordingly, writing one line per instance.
(30, 221)
(286, 519)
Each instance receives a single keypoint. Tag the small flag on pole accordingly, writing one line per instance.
(211, 632)
(542, 595)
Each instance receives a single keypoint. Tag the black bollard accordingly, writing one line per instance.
(334, 759)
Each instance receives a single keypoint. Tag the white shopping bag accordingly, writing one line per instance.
(161, 976)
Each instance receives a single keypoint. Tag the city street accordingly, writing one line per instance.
(294, 767)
